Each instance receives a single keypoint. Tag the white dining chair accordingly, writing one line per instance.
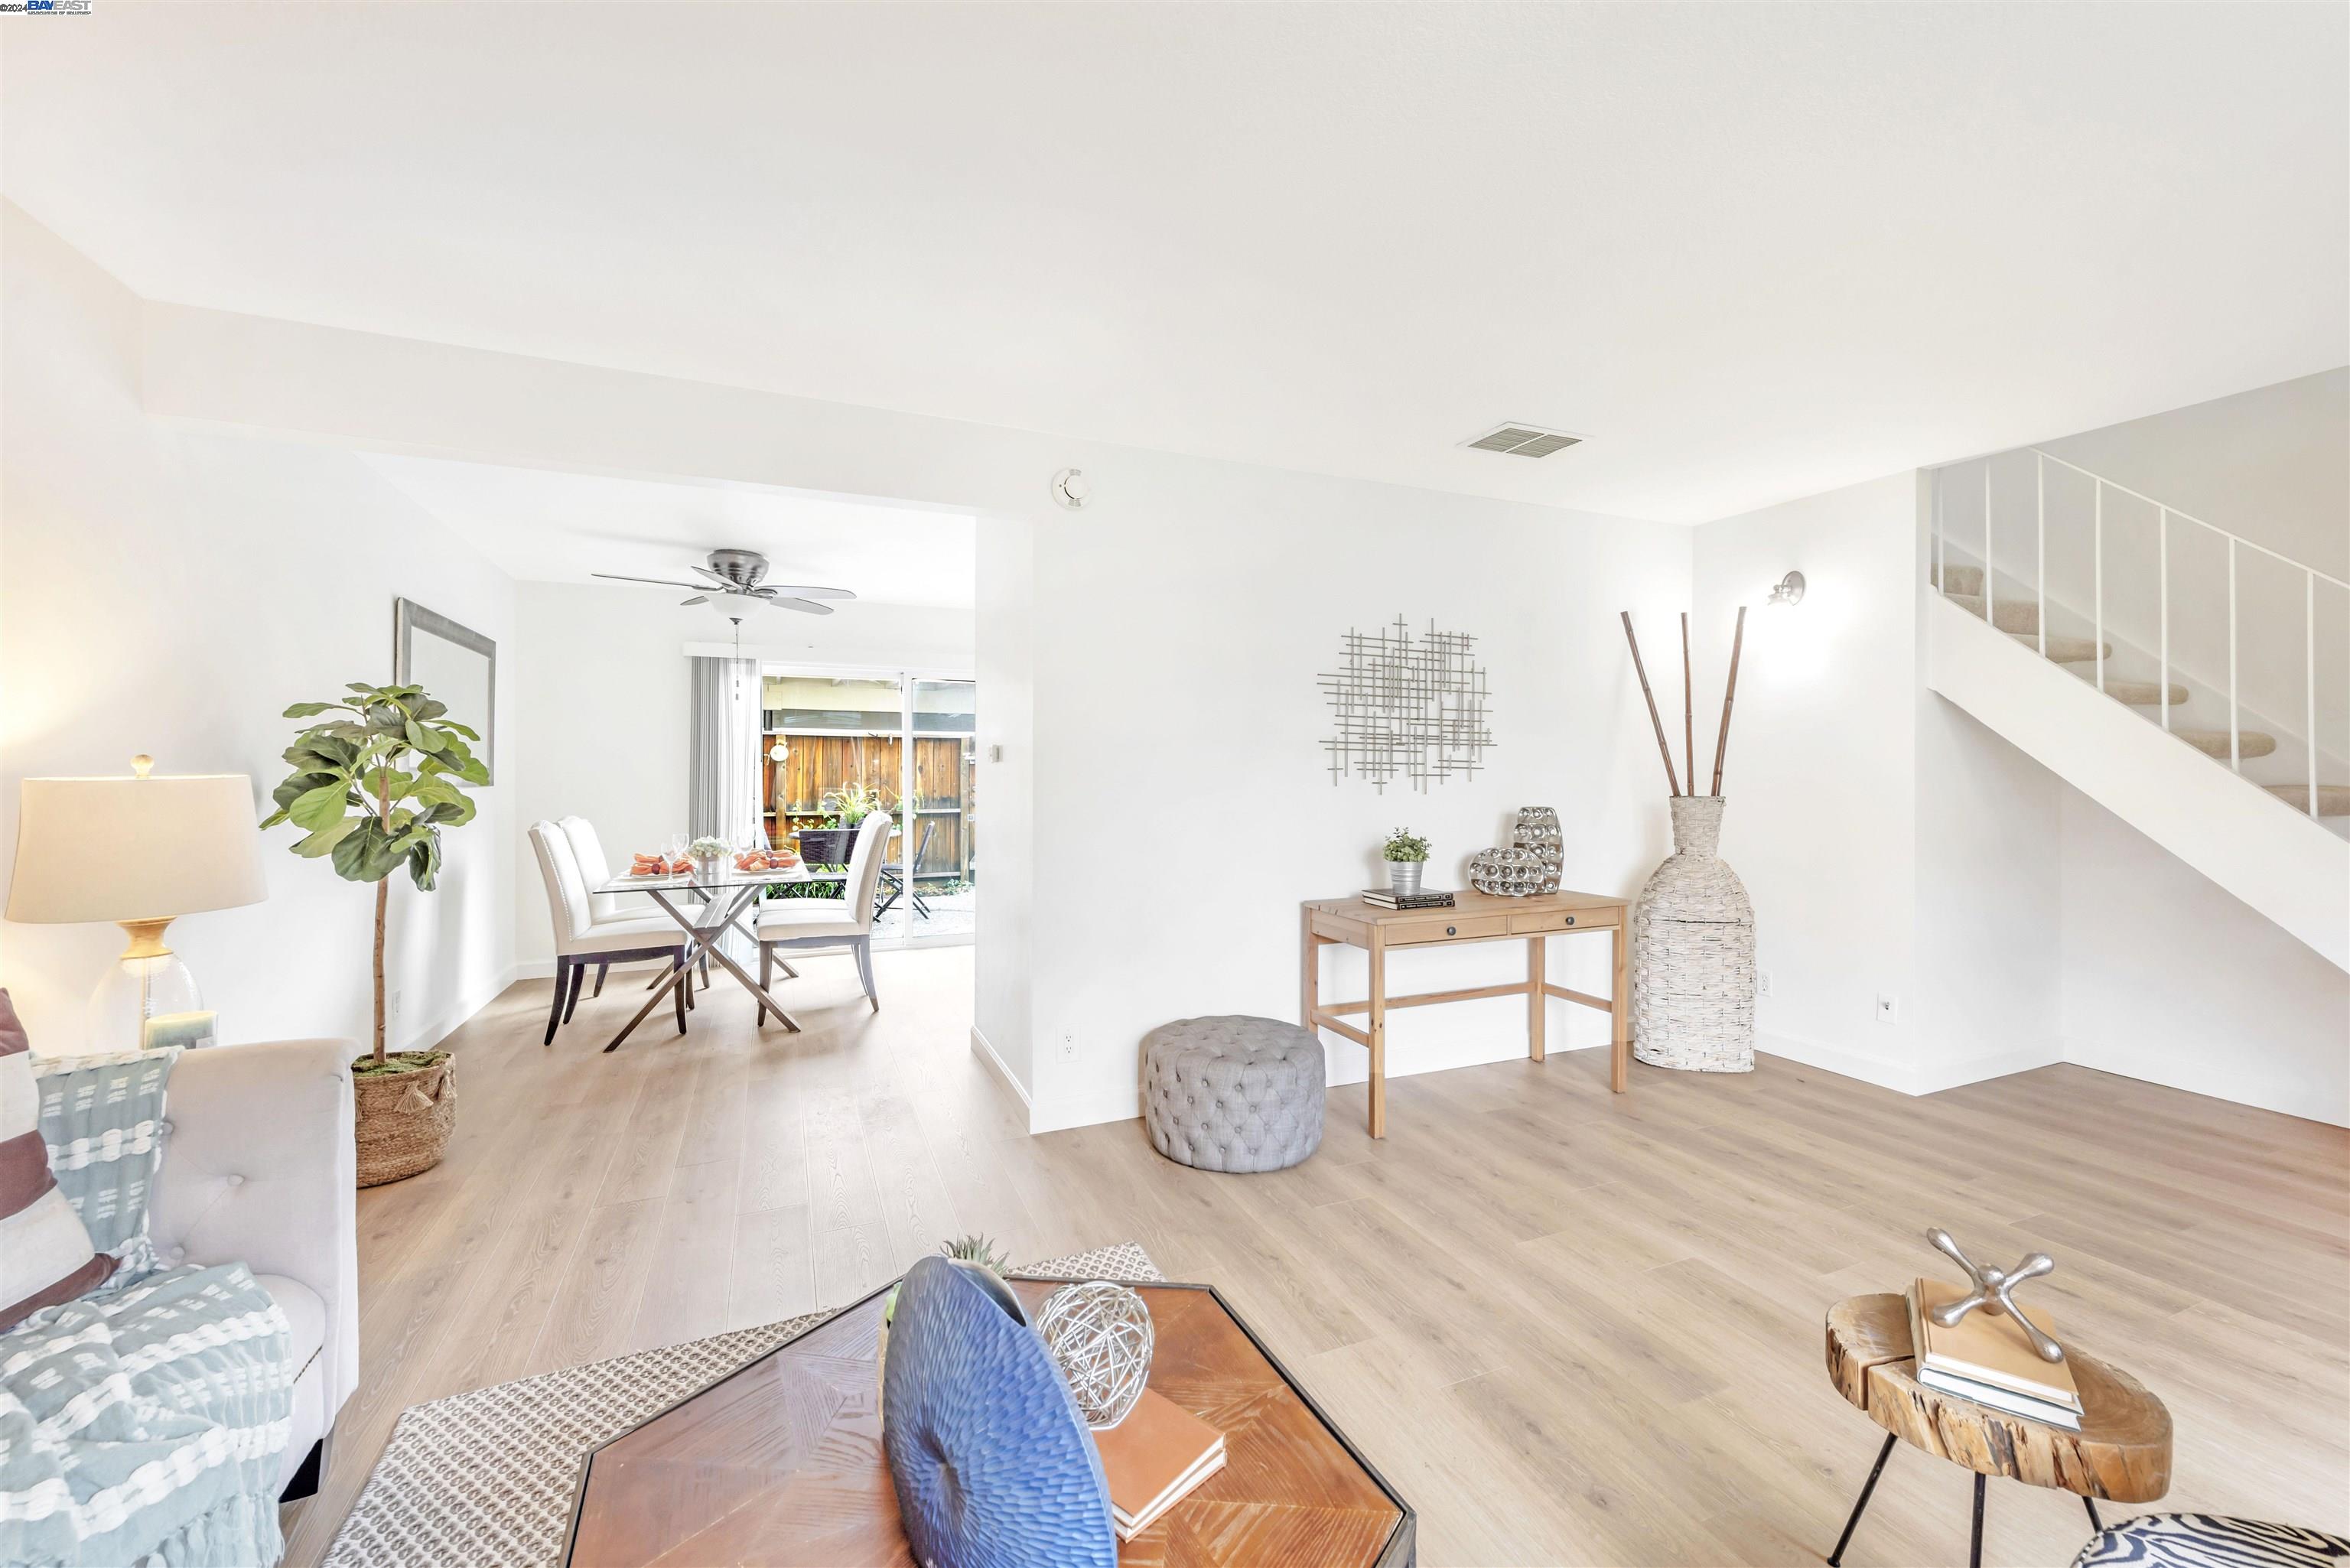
(594, 870)
(808, 924)
(582, 941)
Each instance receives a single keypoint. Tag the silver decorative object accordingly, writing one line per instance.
(1099, 1335)
(1404, 707)
(1403, 876)
(1992, 1291)
(1511, 873)
(1537, 831)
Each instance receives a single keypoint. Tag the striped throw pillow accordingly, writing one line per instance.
(46, 1256)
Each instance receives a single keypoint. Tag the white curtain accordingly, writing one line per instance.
(723, 774)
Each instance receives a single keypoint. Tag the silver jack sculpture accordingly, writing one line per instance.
(1992, 1292)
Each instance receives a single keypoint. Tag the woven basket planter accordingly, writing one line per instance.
(404, 1120)
(1693, 953)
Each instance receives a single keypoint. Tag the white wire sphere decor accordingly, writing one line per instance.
(1099, 1336)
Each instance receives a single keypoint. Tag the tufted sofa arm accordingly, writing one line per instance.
(259, 1168)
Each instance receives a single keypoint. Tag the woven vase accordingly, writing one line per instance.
(403, 1120)
(1693, 953)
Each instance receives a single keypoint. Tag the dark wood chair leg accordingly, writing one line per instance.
(306, 1479)
(555, 1012)
(601, 971)
(571, 1001)
(682, 987)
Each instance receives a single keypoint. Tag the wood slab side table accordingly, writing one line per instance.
(2121, 1453)
(1474, 917)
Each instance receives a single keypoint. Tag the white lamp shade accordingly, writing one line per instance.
(134, 848)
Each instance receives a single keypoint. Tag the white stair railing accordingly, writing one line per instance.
(2165, 513)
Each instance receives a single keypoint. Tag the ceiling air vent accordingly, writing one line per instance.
(1524, 440)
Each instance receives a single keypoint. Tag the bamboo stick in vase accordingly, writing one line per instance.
(1729, 695)
(1664, 747)
(1689, 710)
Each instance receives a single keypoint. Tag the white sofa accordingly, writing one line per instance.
(259, 1168)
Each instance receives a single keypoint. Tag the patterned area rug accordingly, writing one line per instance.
(483, 1479)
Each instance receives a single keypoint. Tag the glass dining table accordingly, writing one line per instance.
(706, 905)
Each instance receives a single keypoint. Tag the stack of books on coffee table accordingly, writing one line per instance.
(1153, 1459)
(1987, 1358)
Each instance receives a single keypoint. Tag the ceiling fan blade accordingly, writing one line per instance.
(716, 579)
(806, 606)
(802, 590)
(696, 599)
(662, 582)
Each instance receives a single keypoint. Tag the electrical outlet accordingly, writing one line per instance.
(1762, 982)
(1888, 1008)
(394, 1001)
(1068, 1048)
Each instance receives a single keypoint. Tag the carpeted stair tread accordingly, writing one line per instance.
(2332, 800)
(2068, 650)
(2144, 694)
(1963, 579)
(2015, 615)
(2214, 742)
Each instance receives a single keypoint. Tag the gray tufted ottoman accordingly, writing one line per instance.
(1232, 1093)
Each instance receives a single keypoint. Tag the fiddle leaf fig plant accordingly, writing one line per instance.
(373, 788)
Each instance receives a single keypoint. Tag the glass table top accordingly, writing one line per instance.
(720, 880)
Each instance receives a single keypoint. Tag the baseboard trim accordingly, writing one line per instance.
(1907, 1078)
(985, 1051)
(455, 1018)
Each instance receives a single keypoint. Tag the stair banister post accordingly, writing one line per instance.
(2309, 677)
(2040, 563)
(1990, 602)
(2162, 578)
(2098, 570)
(2235, 744)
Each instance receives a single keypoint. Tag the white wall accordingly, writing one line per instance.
(600, 685)
(1178, 624)
(1821, 774)
(170, 592)
(2167, 978)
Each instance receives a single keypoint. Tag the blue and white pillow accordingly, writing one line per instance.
(102, 1120)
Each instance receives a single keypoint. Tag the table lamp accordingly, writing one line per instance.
(140, 852)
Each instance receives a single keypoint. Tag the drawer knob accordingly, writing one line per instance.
(1451, 930)
(1570, 919)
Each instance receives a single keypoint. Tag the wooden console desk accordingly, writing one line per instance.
(1474, 917)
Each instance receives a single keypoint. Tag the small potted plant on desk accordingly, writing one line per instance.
(1407, 856)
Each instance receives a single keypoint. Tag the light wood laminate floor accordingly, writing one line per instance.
(1570, 1326)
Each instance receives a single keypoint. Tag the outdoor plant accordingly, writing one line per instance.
(371, 789)
(854, 803)
(1403, 845)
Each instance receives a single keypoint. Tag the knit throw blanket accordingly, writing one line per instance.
(148, 1426)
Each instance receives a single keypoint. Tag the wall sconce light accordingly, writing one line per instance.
(778, 751)
(1789, 590)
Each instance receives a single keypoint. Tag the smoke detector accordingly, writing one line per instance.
(1522, 440)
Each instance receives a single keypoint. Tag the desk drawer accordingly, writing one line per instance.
(1462, 928)
(1535, 920)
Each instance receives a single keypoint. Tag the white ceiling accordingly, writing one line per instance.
(547, 526)
(1751, 251)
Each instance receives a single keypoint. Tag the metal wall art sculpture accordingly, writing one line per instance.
(1405, 707)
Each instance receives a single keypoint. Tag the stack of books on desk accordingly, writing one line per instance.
(1153, 1459)
(1986, 1358)
(1388, 899)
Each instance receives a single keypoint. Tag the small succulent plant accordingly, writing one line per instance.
(980, 1250)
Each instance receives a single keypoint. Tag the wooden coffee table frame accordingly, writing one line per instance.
(1399, 1551)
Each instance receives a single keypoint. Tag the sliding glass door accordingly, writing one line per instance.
(837, 744)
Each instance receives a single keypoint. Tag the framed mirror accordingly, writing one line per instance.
(453, 662)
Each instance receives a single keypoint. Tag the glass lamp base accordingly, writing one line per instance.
(139, 997)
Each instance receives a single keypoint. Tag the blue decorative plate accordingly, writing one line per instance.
(992, 1462)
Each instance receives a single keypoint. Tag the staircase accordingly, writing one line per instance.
(2133, 675)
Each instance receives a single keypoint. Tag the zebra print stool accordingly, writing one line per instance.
(2210, 1541)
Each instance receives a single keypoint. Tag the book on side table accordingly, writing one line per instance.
(1386, 899)
(1153, 1459)
(1986, 1358)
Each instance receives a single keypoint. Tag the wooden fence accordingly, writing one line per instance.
(818, 765)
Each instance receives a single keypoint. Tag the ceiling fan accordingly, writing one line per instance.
(736, 584)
